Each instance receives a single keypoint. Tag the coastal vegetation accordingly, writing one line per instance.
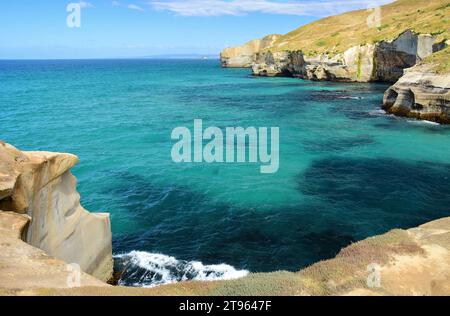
(336, 34)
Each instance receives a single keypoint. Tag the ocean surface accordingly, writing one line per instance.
(347, 170)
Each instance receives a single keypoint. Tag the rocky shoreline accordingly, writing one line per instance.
(384, 61)
(418, 92)
(43, 229)
(421, 90)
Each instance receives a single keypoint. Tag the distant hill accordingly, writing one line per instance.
(336, 34)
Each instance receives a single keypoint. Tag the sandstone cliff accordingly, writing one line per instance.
(23, 266)
(353, 48)
(383, 61)
(40, 185)
(243, 56)
(421, 93)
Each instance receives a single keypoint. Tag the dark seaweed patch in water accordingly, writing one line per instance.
(328, 95)
(338, 144)
(328, 239)
(388, 124)
(345, 200)
(346, 103)
(283, 104)
(352, 110)
(184, 224)
(408, 193)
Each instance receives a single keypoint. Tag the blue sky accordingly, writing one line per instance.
(138, 28)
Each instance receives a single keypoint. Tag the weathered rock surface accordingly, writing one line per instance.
(401, 262)
(243, 56)
(26, 268)
(383, 61)
(421, 93)
(40, 185)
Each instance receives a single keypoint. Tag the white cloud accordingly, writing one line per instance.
(128, 6)
(86, 5)
(135, 7)
(242, 7)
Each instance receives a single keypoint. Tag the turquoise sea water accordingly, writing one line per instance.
(347, 171)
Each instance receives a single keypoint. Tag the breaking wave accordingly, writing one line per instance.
(143, 269)
(423, 122)
(347, 97)
(378, 112)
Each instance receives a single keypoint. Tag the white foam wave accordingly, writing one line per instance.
(350, 98)
(378, 112)
(423, 122)
(143, 269)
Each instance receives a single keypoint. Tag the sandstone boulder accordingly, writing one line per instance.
(24, 267)
(421, 93)
(41, 185)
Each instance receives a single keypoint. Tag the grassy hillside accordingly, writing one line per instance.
(338, 33)
(440, 61)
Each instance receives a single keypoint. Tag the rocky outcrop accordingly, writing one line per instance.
(383, 61)
(356, 64)
(404, 52)
(40, 185)
(243, 56)
(421, 93)
(400, 262)
(25, 267)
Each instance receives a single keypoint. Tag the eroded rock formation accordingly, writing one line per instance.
(243, 56)
(23, 266)
(40, 185)
(401, 262)
(383, 61)
(421, 93)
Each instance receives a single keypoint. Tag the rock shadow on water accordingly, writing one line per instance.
(338, 144)
(279, 103)
(179, 222)
(380, 193)
(332, 95)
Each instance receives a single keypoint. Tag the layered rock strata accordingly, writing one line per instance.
(40, 185)
(384, 61)
(421, 93)
(244, 56)
(25, 267)
(419, 90)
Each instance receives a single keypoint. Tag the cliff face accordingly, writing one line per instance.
(243, 56)
(40, 185)
(384, 61)
(351, 48)
(23, 266)
(421, 93)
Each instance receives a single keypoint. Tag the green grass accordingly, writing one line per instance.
(338, 33)
(439, 62)
(346, 272)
